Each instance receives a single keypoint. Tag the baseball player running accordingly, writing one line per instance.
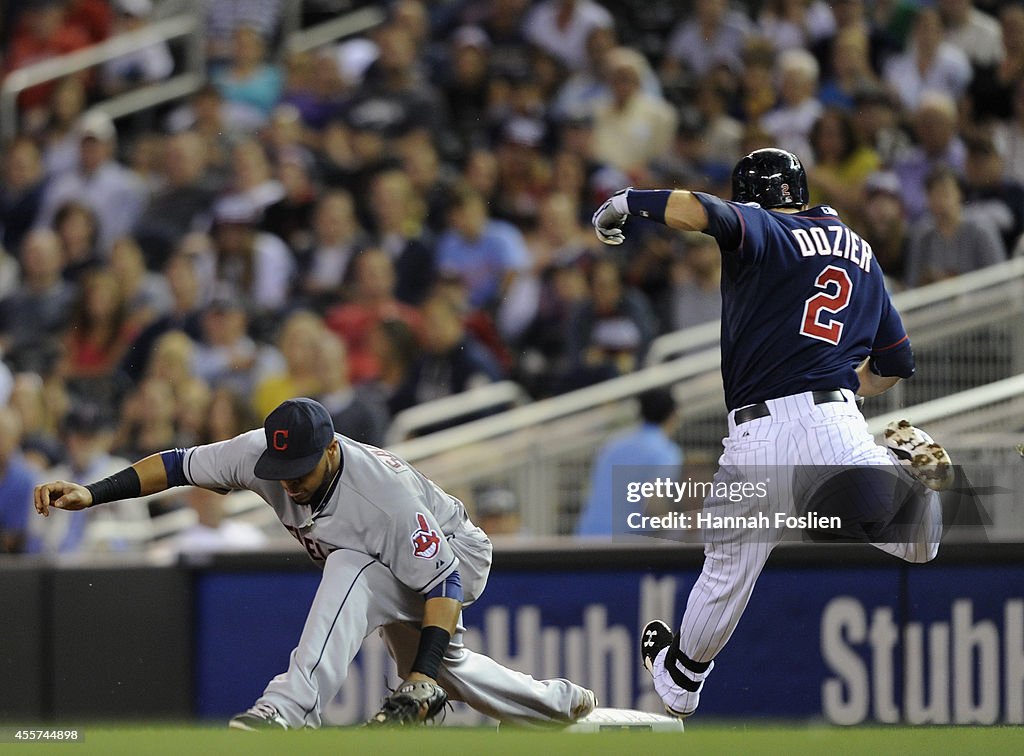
(397, 553)
(806, 326)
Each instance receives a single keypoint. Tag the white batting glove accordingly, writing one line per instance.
(609, 219)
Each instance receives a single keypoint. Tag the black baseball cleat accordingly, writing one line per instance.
(656, 635)
(262, 716)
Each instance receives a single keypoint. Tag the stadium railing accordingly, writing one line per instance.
(192, 77)
(476, 401)
(187, 25)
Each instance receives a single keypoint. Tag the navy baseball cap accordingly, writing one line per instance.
(298, 431)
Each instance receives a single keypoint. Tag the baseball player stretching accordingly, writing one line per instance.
(397, 553)
(806, 326)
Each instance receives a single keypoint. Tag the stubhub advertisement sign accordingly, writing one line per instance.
(914, 644)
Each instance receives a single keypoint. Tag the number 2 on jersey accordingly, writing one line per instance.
(837, 288)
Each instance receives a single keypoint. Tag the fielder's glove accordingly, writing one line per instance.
(414, 703)
(609, 219)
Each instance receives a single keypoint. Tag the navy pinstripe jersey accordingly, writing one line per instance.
(803, 302)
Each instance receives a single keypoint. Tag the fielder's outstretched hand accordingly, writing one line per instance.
(62, 495)
(609, 219)
(414, 703)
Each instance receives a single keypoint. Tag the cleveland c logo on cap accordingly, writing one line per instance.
(280, 440)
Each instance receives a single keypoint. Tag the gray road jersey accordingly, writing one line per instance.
(379, 505)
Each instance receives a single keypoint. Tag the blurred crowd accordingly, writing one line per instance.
(404, 215)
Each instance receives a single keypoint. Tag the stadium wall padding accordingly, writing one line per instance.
(845, 635)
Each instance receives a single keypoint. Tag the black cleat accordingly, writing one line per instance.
(656, 635)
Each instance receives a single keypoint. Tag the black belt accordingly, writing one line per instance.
(759, 410)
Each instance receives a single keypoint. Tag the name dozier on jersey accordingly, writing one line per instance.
(835, 241)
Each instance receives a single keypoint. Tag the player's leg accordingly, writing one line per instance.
(504, 694)
(357, 594)
(733, 560)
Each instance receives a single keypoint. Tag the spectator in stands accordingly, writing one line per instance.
(183, 204)
(298, 343)
(206, 115)
(399, 229)
(790, 123)
(225, 17)
(485, 255)
(99, 330)
(254, 263)
(633, 127)
(95, 17)
(43, 31)
(182, 279)
(561, 28)
(757, 93)
(250, 86)
(147, 420)
(226, 355)
(467, 85)
(610, 332)
(884, 226)
(853, 22)
(21, 191)
(877, 122)
(89, 435)
(794, 24)
(325, 268)
(396, 349)
(502, 20)
(496, 510)
(39, 405)
(113, 192)
(78, 229)
(58, 135)
(584, 88)
(929, 63)
(150, 64)
(252, 181)
(373, 301)
(696, 284)
(850, 67)
(37, 311)
(452, 361)
(559, 240)
(313, 85)
(647, 449)
(991, 91)
(147, 295)
(524, 171)
(17, 479)
(949, 242)
(991, 198)
(720, 132)
(840, 166)
(938, 143)
(228, 414)
(290, 219)
(431, 180)
(214, 531)
(356, 412)
(973, 32)
(395, 96)
(1009, 136)
(714, 35)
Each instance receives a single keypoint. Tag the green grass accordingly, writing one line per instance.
(452, 741)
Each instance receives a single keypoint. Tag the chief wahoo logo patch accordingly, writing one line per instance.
(425, 542)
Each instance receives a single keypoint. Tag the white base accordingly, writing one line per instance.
(606, 720)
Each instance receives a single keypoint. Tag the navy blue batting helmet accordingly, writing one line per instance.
(771, 178)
